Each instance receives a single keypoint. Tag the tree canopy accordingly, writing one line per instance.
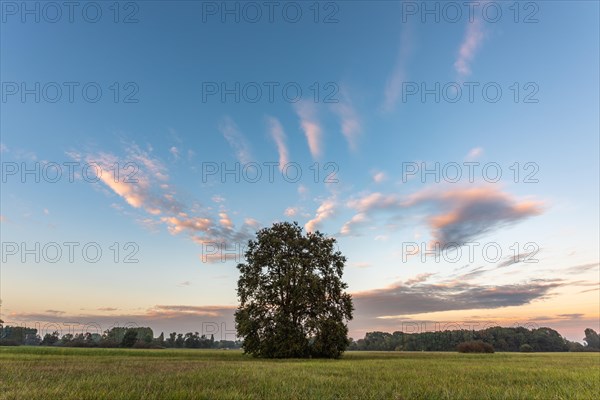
(292, 298)
(592, 339)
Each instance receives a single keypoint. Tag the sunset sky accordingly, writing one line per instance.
(386, 92)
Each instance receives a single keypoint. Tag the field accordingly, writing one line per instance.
(70, 373)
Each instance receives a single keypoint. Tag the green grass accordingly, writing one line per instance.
(70, 373)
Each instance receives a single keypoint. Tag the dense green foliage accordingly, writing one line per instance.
(592, 339)
(115, 374)
(117, 334)
(292, 299)
(501, 339)
(129, 338)
(525, 348)
(17, 335)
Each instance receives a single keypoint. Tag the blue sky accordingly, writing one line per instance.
(366, 124)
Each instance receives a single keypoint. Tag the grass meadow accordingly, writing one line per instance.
(72, 373)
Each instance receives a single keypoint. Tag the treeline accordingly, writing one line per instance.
(501, 339)
(116, 337)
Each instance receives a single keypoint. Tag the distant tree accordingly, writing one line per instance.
(76, 340)
(116, 334)
(292, 299)
(20, 335)
(546, 339)
(96, 337)
(66, 338)
(107, 340)
(147, 338)
(191, 340)
(170, 342)
(161, 339)
(145, 334)
(525, 348)
(129, 338)
(32, 339)
(592, 339)
(179, 341)
(575, 347)
(50, 339)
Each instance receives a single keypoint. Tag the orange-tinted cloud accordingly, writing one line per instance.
(311, 127)
(143, 183)
(463, 214)
(326, 210)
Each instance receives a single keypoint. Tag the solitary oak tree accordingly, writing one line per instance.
(292, 298)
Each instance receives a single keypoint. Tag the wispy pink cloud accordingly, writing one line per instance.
(291, 211)
(149, 190)
(349, 120)
(356, 220)
(471, 43)
(236, 140)
(393, 86)
(311, 127)
(326, 210)
(373, 201)
(108, 309)
(379, 177)
(474, 153)
(278, 135)
(141, 180)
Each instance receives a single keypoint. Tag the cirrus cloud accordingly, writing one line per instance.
(311, 127)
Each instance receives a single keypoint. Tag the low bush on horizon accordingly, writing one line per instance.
(475, 346)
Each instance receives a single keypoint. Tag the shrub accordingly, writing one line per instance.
(525, 348)
(475, 346)
(108, 343)
(141, 344)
